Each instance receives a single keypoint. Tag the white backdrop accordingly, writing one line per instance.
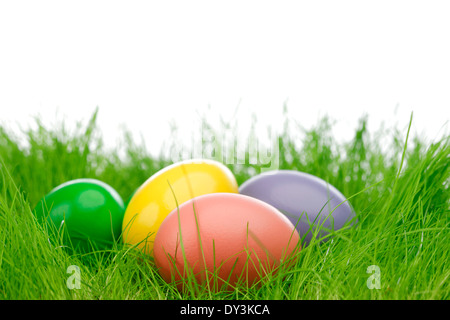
(146, 63)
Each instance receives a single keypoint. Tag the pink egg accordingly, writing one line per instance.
(225, 238)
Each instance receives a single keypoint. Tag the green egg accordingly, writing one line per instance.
(86, 214)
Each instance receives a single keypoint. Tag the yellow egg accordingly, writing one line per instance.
(167, 189)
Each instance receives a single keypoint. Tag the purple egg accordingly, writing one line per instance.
(305, 199)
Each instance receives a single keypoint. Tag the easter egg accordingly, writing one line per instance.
(87, 213)
(167, 189)
(223, 239)
(308, 201)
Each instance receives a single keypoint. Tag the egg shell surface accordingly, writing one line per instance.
(305, 199)
(235, 237)
(167, 189)
(88, 213)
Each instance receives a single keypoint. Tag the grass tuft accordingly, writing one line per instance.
(398, 186)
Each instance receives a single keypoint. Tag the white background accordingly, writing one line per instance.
(146, 63)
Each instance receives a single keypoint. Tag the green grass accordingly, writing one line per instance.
(398, 185)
